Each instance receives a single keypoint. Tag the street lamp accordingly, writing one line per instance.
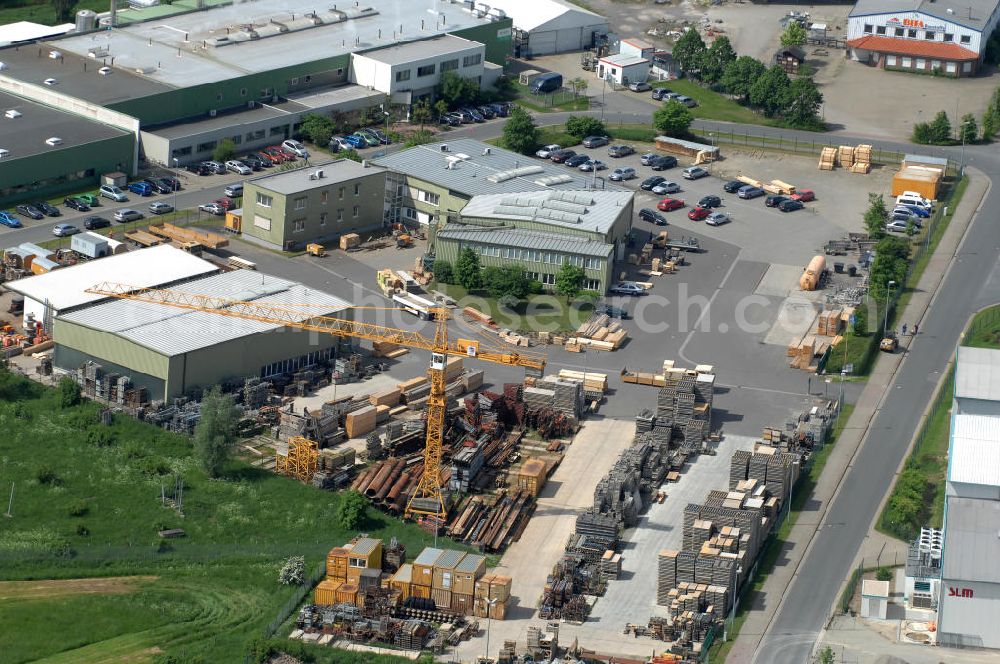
(489, 623)
(176, 186)
(711, 142)
(386, 114)
(885, 321)
(604, 89)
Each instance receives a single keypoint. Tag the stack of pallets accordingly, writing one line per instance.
(666, 579)
(738, 465)
(845, 156)
(827, 158)
(862, 159)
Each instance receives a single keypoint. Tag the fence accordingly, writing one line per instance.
(293, 602)
(797, 145)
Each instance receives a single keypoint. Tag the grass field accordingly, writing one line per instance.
(547, 103)
(536, 312)
(715, 106)
(87, 504)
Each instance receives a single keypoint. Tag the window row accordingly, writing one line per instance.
(910, 33)
(536, 256)
(286, 366)
(924, 64)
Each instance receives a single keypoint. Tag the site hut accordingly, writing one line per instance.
(290, 209)
(542, 231)
(969, 606)
(423, 572)
(546, 27)
(365, 553)
(172, 83)
(631, 64)
(171, 352)
(944, 36)
(429, 184)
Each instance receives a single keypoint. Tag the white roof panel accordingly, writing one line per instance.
(971, 544)
(975, 449)
(977, 373)
(529, 15)
(66, 288)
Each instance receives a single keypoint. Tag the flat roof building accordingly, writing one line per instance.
(544, 27)
(412, 70)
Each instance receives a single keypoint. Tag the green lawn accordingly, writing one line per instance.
(715, 106)
(562, 100)
(87, 503)
(538, 312)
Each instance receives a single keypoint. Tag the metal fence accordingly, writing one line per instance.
(293, 602)
(801, 146)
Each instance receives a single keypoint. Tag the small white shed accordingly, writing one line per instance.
(874, 599)
(623, 68)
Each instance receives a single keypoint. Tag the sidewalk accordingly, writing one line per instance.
(854, 434)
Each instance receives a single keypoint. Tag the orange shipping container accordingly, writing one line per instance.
(417, 590)
(336, 564)
(461, 604)
(326, 592)
(442, 598)
(347, 593)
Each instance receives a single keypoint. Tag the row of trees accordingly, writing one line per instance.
(892, 254)
(939, 131)
(753, 84)
(505, 282)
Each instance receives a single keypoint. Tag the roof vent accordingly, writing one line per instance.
(3, 65)
(104, 71)
(55, 55)
(53, 140)
(50, 81)
(12, 114)
(950, 10)
(320, 174)
(4, 153)
(444, 147)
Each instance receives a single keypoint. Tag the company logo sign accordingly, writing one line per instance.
(959, 592)
(504, 33)
(895, 21)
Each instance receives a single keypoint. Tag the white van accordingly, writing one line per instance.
(919, 201)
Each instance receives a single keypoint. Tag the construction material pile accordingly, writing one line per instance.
(820, 338)
(111, 387)
(772, 187)
(855, 159)
(600, 332)
(492, 523)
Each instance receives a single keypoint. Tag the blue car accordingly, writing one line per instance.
(141, 188)
(7, 219)
(919, 211)
(356, 141)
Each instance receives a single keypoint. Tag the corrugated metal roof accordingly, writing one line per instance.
(975, 449)
(523, 239)
(470, 563)
(470, 176)
(971, 13)
(154, 266)
(977, 373)
(528, 15)
(595, 211)
(428, 556)
(449, 559)
(365, 545)
(971, 541)
(173, 331)
(404, 574)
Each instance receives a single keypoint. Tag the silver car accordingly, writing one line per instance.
(593, 165)
(620, 174)
(717, 219)
(667, 187)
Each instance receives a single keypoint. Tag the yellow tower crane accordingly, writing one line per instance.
(427, 499)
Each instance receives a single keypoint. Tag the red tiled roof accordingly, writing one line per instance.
(919, 49)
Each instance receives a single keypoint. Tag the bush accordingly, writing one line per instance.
(443, 272)
(883, 574)
(226, 150)
(351, 511)
(672, 119)
(78, 508)
(45, 475)
(82, 530)
(535, 287)
(293, 571)
(69, 393)
(583, 126)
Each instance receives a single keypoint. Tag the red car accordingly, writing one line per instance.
(699, 213)
(277, 153)
(668, 204)
(804, 195)
(225, 203)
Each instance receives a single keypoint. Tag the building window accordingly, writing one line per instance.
(340, 71)
(322, 219)
(907, 62)
(403, 75)
(912, 34)
(880, 30)
(266, 92)
(300, 203)
(340, 194)
(890, 60)
(264, 200)
(298, 225)
(357, 188)
(965, 39)
(966, 67)
(428, 197)
(426, 70)
(340, 214)
(237, 139)
(931, 36)
(218, 96)
(921, 63)
(868, 28)
(357, 210)
(294, 81)
(950, 67)
(410, 213)
(592, 284)
(278, 131)
(548, 279)
(900, 32)
(206, 147)
(949, 37)
(449, 65)
(180, 152)
(243, 92)
(323, 196)
(470, 60)
(262, 222)
(935, 65)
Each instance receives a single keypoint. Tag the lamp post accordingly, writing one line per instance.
(711, 156)
(176, 185)
(386, 114)
(885, 320)
(604, 88)
(489, 623)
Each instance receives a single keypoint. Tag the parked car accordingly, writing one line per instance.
(9, 220)
(217, 167)
(234, 190)
(748, 192)
(338, 143)
(710, 201)
(487, 112)
(29, 211)
(451, 119)
(238, 167)
(63, 230)
(804, 195)
(670, 204)
(921, 212)
(76, 204)
(169, 183)
(464, 116)
(476, 115)
(595, 141)
(640, 86)
(666, 187)
(112, 192)
(652, 216)
(212, 208)
(648, 158)
(611, 311)
(141, 188)
(897, 226)
(46, 208)
(295, 148)
(627, 288)
(502, 109)
(651, 181)
(687, 101)
(383, 139)
(660, 94)
(159, 185)
(694, 173)
(663, 163)
(775, 201)
(593, 165)
(90, 199)
(126, 214)
(699, 213)
(791, 205)
(94, 223)
(160, 207)
(546, 152)
(717, 219)
(256, 163)
(906, 217)
(198, 169)
(733, 186)
(620, 150)
(371, 140)
(562, 155)
(279, 156)
(622, 174)
(576, 160)
(225, 203)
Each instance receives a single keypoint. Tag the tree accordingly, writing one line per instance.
(740, 74)
(69, 393)
(876, 216)
(215, 432)
(940, 128)
(569, 281)
(583, 126)
(922, 133)
(672, 118)
(968, 131)
(989, 125)
(826, 656)
(689, 50)
(891, 263)
(804, 101)
(226, 150)
(794, 35)
(317, 128)
(883, 574)
(293, 571)
(770, 93)
(443, 272)
(507, 281)
(351, 510)
(421, 113)
(715, 60)
(440, 107)
(519, 132)
(458, 91)
(468, 271)
(579, 86)
(63, 10)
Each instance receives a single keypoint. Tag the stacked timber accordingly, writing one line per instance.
(360, 422)
(600, 332)
(862, 159)
(827, 159)
(845, 156)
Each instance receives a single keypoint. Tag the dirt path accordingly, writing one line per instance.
(46, 589)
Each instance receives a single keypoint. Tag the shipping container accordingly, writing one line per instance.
(336, 563)
(423, 566)
(347, 593)
(462, 604)
(467, 572)
(442, 598)
(417, 590)
(444, 569)
(402, 580)
(326, 592)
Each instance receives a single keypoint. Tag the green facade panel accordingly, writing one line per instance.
(497, 37)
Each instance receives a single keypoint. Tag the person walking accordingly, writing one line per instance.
(916, 328)
(904, 329)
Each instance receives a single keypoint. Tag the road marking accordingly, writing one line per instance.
(706, 310)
